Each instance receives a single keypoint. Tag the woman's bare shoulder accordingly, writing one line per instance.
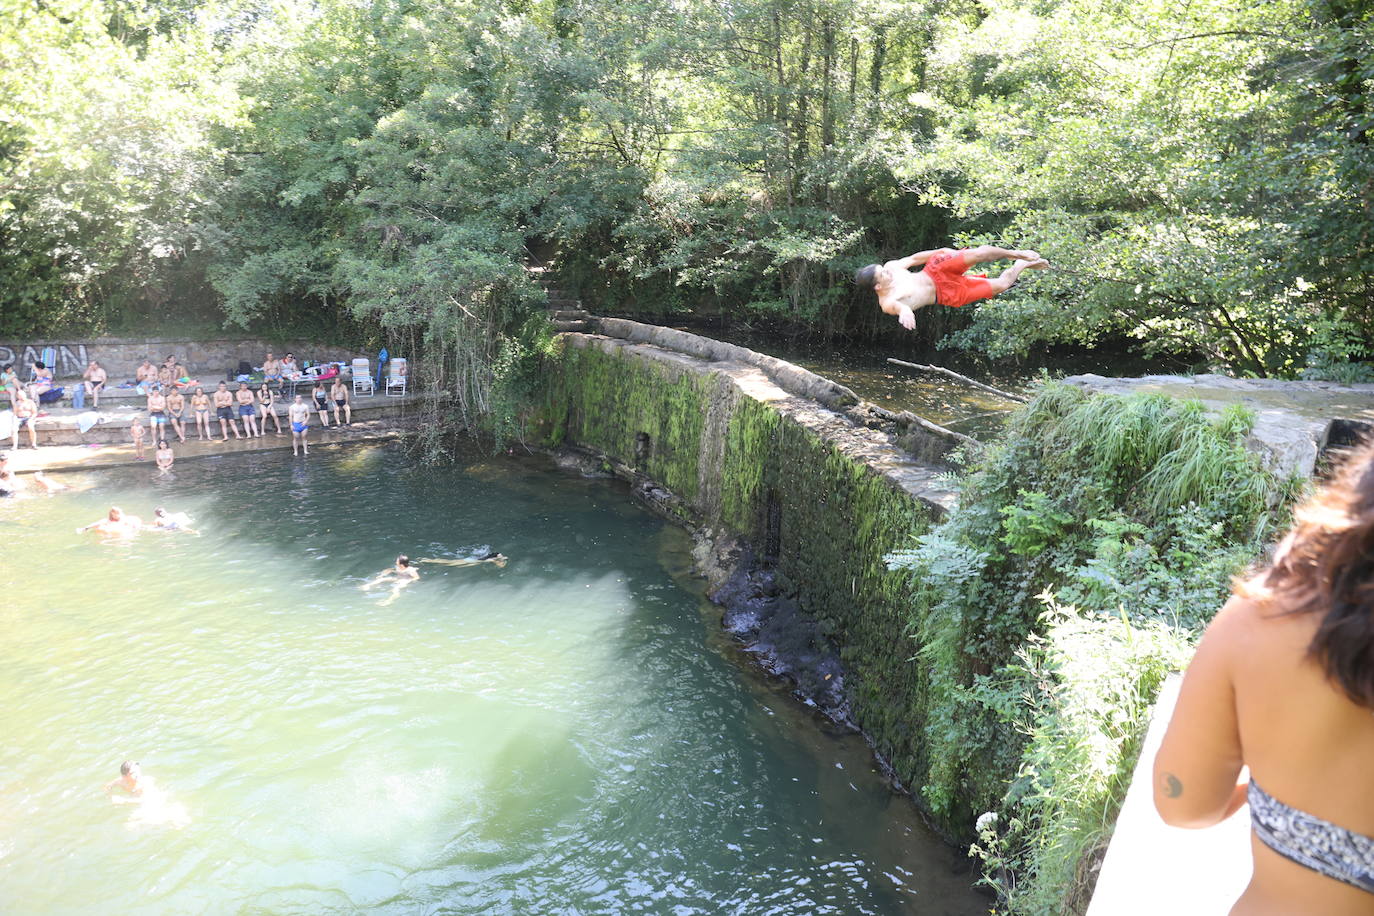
(1254, 627)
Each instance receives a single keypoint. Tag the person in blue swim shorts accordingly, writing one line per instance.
(299, 415)
(248, 410)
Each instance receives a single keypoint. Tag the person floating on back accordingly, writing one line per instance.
(485, 556)
(172, 521)
(115, 524)
(943, 281)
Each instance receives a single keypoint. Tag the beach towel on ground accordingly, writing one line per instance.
(86, 420)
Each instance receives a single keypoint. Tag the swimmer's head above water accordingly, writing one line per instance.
(129, 774)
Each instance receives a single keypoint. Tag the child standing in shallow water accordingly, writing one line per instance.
(136, 433)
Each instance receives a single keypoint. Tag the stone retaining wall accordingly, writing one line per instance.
(120, 355)
(758, 451)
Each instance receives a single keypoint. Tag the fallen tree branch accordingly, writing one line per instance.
(963, 378)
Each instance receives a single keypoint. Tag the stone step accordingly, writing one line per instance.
(570, 315)
(556, 293)
(58, 426)
(556, 302)
(562, 326)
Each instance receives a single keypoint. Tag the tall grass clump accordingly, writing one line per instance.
(1126, 517)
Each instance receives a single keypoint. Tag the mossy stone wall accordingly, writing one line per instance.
(756, 468)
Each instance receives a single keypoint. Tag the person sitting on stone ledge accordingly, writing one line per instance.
(181, 378)
(25, 415)
(271, 370)
(1283, 684)
(9, 381)
(94, 380)
(42, 380)
(145, 375)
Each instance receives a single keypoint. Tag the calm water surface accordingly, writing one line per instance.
(569, 734)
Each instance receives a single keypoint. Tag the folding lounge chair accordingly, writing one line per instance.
(397, 376)
(362, 377)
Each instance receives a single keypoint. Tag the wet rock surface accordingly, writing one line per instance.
(785, 642)
(583, 463)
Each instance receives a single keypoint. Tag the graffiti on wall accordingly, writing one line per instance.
(71, 359)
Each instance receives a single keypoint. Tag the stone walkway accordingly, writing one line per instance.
(90, 457)
(1295, 422)
(57, 423)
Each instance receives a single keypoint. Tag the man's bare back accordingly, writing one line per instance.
(901, 292)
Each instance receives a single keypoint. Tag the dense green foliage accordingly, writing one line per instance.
(1091, 545)
(1200, 176)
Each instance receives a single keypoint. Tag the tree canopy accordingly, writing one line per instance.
(1200, 177)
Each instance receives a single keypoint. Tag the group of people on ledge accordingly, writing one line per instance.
(165, 388)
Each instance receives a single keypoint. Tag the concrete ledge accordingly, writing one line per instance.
(1152, 868)
(1295, 422)
(874, 449)
(60, 426)
(793, 379)
(92, 457)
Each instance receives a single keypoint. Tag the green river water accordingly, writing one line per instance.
(569, 734)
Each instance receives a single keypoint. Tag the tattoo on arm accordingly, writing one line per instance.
(1172, 787)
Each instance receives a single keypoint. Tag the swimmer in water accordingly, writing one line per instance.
(164, 457)
(488, 556)
(47, 484)
(154, 807)
(115, 524)
(133, 782)
(11, 483)
(400, 575)
(172, 521)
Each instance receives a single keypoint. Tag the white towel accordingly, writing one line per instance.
(6, 424)
(85, 421)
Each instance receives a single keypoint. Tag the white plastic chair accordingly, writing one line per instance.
(362, 377)
(397, 375)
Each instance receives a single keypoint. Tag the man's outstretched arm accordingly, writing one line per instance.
(905, 316)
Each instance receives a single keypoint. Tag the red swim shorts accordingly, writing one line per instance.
(953, 287)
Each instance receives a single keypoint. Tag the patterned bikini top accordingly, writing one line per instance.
(1312, 842)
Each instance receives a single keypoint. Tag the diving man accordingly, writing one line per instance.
(943, 281)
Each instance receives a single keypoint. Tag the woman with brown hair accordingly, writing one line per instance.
(1283, 683)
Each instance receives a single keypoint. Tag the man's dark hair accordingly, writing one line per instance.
(403, 560)
(867, 276)
(126, 766)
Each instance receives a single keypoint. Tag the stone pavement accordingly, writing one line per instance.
(90, 457)
(1295, 422)
(57, 424)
